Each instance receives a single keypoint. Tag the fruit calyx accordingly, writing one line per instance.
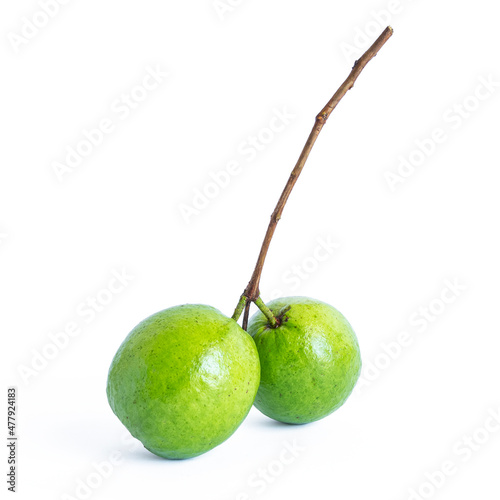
(280, 318)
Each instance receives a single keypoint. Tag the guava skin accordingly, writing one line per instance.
(309, 364)
(184, 380)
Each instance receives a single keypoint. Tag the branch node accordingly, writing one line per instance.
(321, 118)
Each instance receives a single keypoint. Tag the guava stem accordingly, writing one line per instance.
(260, 304)
(266, 312)
(252, 292)
(239, 308)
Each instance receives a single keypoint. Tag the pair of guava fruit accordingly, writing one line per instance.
(185, 378)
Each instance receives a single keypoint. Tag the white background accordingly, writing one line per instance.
(119, 210)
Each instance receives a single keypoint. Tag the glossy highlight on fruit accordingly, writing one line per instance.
(309, 364)
(183, 380)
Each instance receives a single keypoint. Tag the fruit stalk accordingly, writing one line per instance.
(252, 292)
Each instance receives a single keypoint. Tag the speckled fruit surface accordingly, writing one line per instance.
(183, 380)
(309, 364)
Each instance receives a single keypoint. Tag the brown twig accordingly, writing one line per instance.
(245, 316)
(252, 290)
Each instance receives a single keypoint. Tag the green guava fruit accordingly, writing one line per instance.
(184, 380)
(310, 363)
